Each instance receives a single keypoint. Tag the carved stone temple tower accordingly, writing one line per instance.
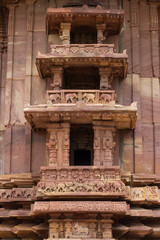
(80, 119)
(80, 187)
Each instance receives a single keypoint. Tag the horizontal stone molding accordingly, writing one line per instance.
(82, 49)
(80, 182)
(117, 208)
(73, 96)
(91, 55)
(122, 116)
(112, 17)
(16, 194)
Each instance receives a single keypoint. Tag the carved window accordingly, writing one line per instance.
(81, 145)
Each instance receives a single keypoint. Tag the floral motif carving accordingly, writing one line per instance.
(16, 194)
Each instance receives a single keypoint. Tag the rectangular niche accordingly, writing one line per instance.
(81, 78)
(81, 145)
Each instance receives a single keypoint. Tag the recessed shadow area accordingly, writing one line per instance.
(81, 78)
(81, 145)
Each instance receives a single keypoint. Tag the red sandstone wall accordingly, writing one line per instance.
(141, 39)
(23, 150)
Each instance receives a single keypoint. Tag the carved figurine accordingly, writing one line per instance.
(71, 97)
(106, 98)
(89, 97)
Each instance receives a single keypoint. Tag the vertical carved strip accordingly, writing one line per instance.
(52, 147)
(53, 228)
(108, 147)
(97, 145)
(66, 144)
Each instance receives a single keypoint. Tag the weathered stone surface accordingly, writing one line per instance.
(81, 207)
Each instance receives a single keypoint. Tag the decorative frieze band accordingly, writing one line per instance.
(79, 206)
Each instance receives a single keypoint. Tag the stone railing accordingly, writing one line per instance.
(82, 49)
(80, 181)
(73, 96)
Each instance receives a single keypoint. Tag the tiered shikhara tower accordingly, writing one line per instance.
(80, 188)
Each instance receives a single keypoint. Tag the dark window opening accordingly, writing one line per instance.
(82, 157)
(81, 78)
(81, 145)
(83, 34)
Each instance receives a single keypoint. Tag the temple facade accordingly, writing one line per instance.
(80, 119)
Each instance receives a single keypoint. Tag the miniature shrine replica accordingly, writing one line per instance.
(79, 170)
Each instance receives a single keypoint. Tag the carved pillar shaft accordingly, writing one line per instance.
(52, 146)
(108, 147)
(53, 228)
(105, 80)
(57, 76)
(65, 29)
(66, 143)
(68, 228)
(97, 149)
(101, 27)
(107, 228)
(59, 144)
(103, 143)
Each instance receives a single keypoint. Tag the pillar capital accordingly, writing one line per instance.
(101, 27)
(105, 78)
(57, 77)
(65, 29)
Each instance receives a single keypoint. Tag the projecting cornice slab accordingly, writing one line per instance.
(97, 55)
(122, 116)
(84, 15)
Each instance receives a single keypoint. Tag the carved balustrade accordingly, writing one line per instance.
(73, 96)
(80, 182)
(82, 50)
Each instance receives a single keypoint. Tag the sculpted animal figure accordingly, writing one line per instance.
(71, 97)
(106, 98)
(53, 98)
(89, 97)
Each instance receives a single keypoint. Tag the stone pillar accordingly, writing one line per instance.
(97, 146)
(107, 226)
(65, 29)
(57, 77)
(54, 228)
(101, 27)
(59, 144)
(103, 143)
(105, 80)
(108, 147)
